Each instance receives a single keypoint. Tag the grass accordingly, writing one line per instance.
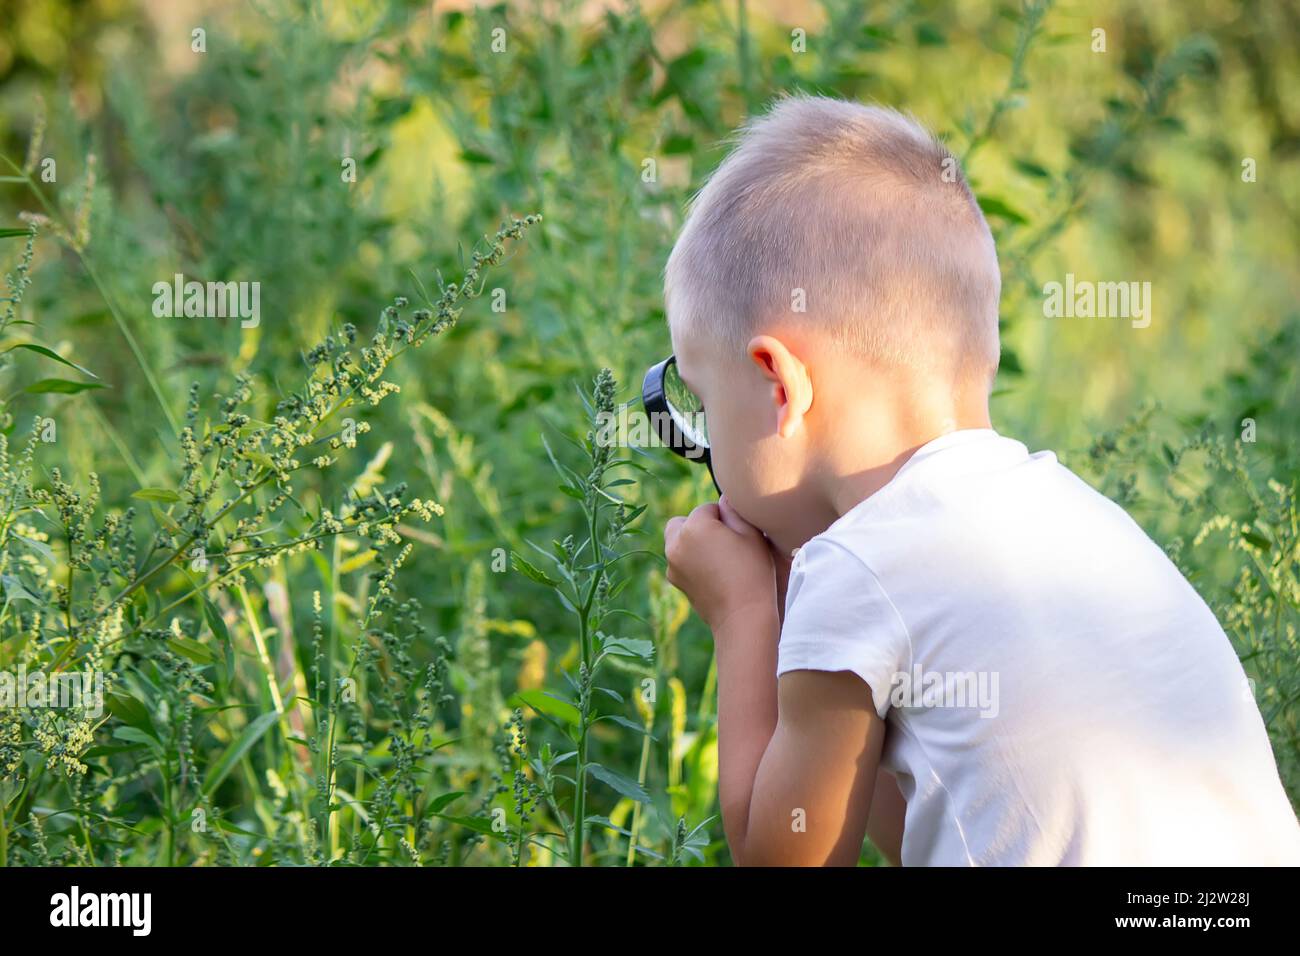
(361, 597)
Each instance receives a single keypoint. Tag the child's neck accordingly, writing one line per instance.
(856, 470)
(861, 445)
(873, 440)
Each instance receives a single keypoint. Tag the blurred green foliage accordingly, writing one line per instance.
(1122, 164)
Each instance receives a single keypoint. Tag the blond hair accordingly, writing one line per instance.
(859, 215)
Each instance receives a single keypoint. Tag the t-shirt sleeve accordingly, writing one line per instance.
(838, 618)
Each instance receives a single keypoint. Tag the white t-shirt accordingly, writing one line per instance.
(1069, 699)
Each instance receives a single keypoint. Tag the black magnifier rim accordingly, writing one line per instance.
(655, 399)
(654, 395)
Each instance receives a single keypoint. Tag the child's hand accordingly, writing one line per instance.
(721, 562)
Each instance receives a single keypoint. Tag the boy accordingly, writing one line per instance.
(980, 659)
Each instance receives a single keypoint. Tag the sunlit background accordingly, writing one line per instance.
(1115, 142)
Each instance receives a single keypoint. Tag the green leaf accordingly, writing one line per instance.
(1257, 540)
(15, 590)
(13, 233)
(438, 803)
(629, 647)
(629, 723)
(616, 781)
(137, 736)
(157, 494)
(48, 353)
(40, 547)
(217, 624)
(166, 520)
(607, 823)
(1031, 168)
(60, 386)
(192, 649)
(235, 752)
(130, 711)
(997, 207)
(532, 572)
(225, 826)
(544, 703)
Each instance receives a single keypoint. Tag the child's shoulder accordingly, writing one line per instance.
(970, 470)
(970, 501)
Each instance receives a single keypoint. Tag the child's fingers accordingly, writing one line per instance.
(706, 512)
(732, 520)
(678, 525)
(672, 529)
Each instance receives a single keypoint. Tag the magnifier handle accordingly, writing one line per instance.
(708, 463)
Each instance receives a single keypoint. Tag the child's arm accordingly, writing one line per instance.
(797, 763)
(812, 793)
(885, 825)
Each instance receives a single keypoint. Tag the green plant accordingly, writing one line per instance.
(586, 580)
(215, 527)
(330, 151)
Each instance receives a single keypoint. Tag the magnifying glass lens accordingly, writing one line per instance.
(685, 408)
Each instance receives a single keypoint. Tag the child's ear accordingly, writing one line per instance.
(791, 384)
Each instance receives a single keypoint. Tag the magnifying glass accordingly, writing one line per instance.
(676, 414)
